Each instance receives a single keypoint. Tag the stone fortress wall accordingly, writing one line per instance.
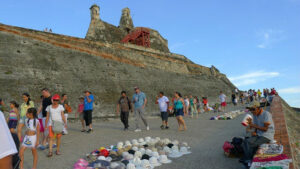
(31, 60)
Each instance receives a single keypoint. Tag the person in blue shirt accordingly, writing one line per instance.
(88, 109)
(139, 100)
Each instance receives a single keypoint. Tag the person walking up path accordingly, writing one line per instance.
(55, 121)
(163, 104)
(13, 117)
(179, 111)
(125, 105)
(45, 103)
(80, 113)
(88, 109)
(65, 102)
(139, 99)
(28, 103)
(222, 98)
(31, 139)
(187, 105)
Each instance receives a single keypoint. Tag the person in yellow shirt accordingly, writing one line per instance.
(28, 103)
(259, 94)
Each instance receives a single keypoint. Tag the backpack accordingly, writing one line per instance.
(237, 149)
(68, 108)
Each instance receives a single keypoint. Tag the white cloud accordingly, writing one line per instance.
(269, 37)
(290, 90)
(252, 78)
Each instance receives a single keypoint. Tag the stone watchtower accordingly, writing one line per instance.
(95, 14)
(126, 23)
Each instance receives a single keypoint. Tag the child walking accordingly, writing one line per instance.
(80, 113)
(31, 139)
(13, 117)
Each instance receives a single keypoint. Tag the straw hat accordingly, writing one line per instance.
(120, 145)
(175, 142)
(164, 159)
(138, 154)
(135, 142)
(154, 162)
(127, 142)
(125, 154)
(141, 140)
(167, 150)
(128, 157)
(154, 149)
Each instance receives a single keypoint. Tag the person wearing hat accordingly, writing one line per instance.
(55, 116)
(139, 99)
(264, 131)
(125, 105)
(163, 103)
(88, 109)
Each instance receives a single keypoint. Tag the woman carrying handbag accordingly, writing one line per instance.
(55, 121)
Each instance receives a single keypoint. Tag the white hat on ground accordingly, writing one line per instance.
(175, 142)
(130, 166)
(136, 161)
(142, 150)
(164, 159)
(149, 152)
(175, 152)
(125, 154)
(147, 139)
(141, 140)
(155, 154)
(184, 150)
(154, 162)
(138, 154)
(135, 148)
(145, 165)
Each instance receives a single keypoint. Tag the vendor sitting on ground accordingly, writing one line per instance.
(264, 131)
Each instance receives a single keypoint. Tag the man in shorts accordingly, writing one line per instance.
(163, 104)
(222, 98)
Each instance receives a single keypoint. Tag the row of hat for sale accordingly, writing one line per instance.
(142, 153)
(229, 115)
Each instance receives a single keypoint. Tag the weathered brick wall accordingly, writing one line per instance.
(281, 132)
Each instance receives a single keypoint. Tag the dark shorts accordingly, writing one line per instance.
(12, 124)
(178, 112)
(164, 116)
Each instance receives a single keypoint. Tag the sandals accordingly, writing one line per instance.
(58, 153)
(50, 154)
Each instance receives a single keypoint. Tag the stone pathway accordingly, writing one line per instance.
(206, 137)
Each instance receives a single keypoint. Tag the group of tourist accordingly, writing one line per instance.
(48, 30)
(246, 97)
(49, 121)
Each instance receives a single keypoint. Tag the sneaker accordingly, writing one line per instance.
(137, 130)
(162, 127)
(65, 132)
(147, 128)
(89, 130)
(54, 146)
(167, 127)
(41, 147)
(125, 129)
(83, 130)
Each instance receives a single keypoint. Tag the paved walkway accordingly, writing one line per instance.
(205, 137)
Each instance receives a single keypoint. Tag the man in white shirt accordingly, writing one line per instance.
(163, 103)
(222, 98)
(8, 147)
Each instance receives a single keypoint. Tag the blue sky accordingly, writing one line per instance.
(256, 43)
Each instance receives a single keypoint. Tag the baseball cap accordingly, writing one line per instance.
(56, 97)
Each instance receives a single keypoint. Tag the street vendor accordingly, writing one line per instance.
(263, 125)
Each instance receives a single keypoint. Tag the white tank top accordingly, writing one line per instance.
(30, 125)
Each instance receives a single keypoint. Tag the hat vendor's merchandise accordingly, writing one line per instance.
(145, 165)
(130, 166)
(184, 150)
(145, 156)
(154, 162)
(125, 162)
(164, 159)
